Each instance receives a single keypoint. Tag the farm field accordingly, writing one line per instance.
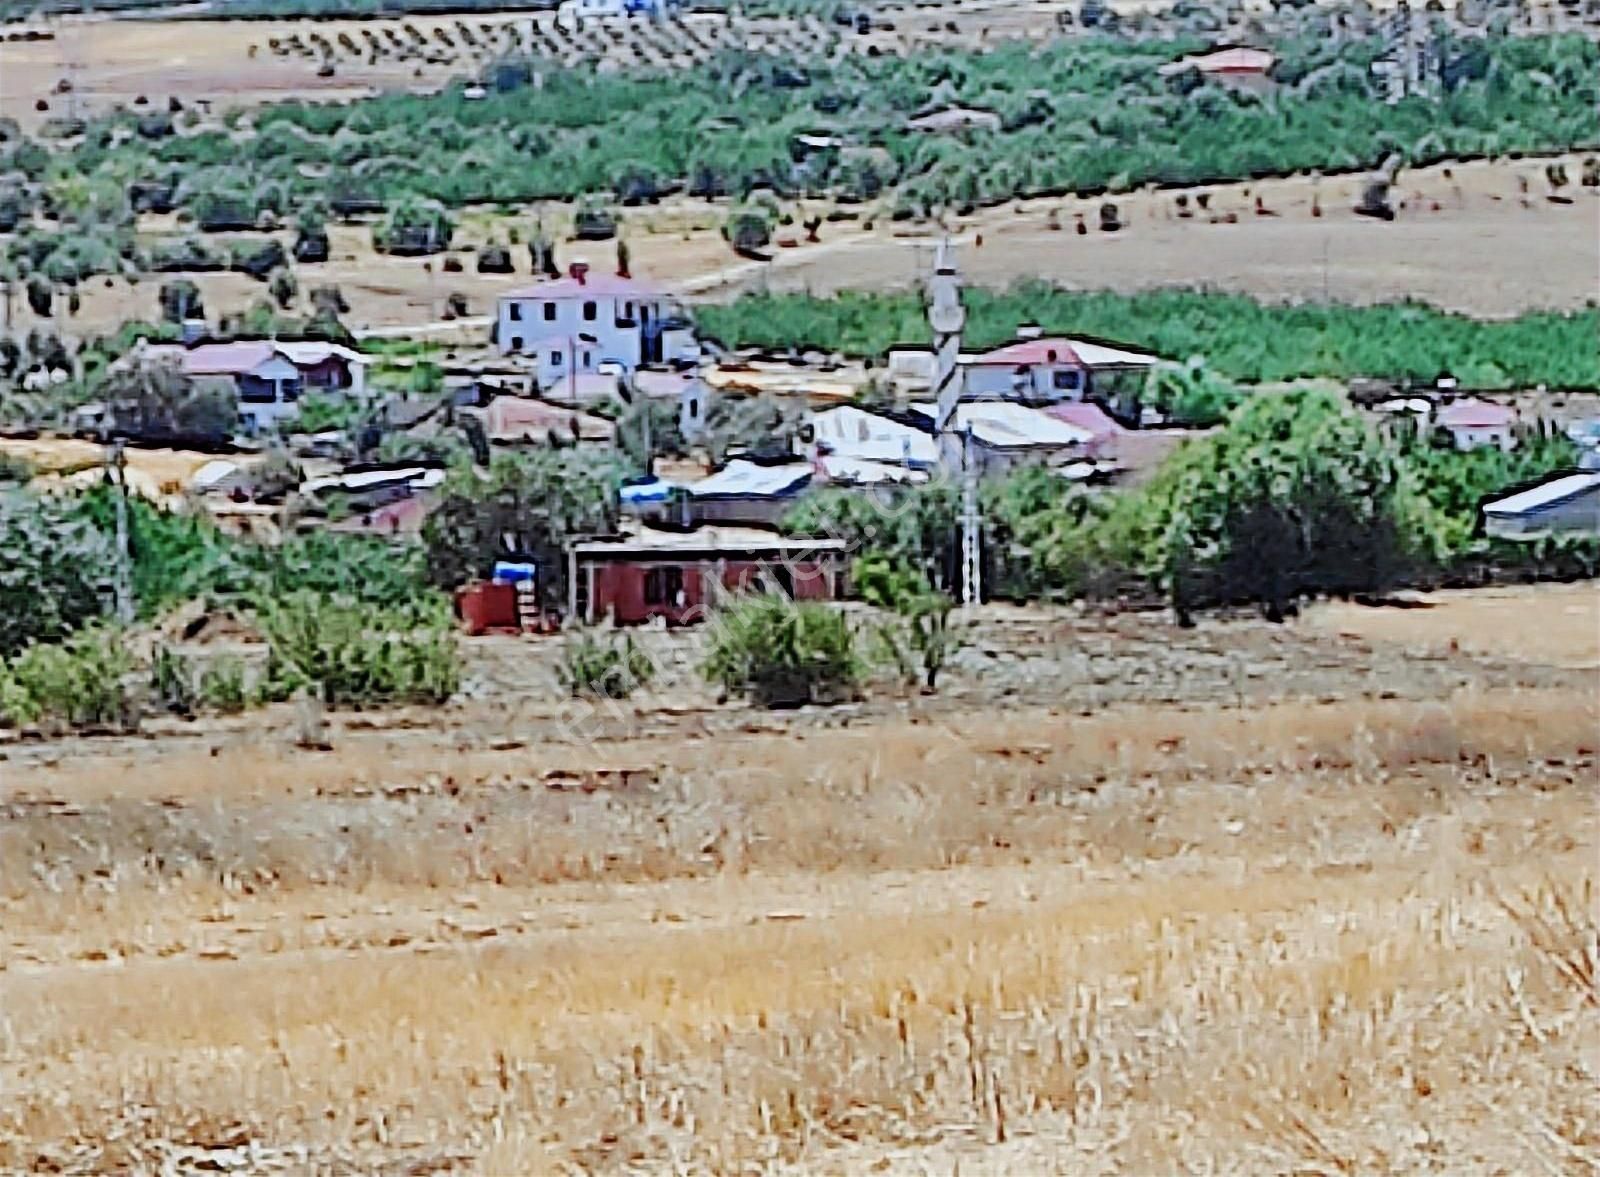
(112, 61)
(1121, 898)
(1540, 254)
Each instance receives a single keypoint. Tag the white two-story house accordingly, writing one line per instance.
(573, 325)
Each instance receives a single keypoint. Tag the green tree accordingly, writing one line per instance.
(1297, 495)
(56, 575)
(525, 506)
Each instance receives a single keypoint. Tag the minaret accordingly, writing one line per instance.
(946, 316)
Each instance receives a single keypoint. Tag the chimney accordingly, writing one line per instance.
(580, 271)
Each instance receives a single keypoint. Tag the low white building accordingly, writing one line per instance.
(849, 432)
(586, 321)
(268, 376)
(1568, 504)
(1475, 423)
(1004, 433)
(1033, 369)
(1047, 368)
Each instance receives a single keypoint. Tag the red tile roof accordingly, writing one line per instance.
(1476, 414)
(593, 285)
(512, 418)
(218, 359)
(1032, 351)
(1085, 416)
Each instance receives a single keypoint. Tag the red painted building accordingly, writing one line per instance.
(676, 575)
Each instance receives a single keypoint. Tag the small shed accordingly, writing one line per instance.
(676, 575)
(1566, 505)
(1472, 423)
(749, 492)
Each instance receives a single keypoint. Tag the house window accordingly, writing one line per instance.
(516, 343)
(549, 312)
(555, 359)
(590, 311)
(1066, 380)
(663, 586)
(516, 312)
(588, 359)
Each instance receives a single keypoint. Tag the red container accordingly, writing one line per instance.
(485, 607)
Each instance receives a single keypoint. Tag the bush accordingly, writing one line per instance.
(782, 653)
(55, 574)
(223, 686)
(357, 655)
(920, 641)
(78, 682)
(598, 668)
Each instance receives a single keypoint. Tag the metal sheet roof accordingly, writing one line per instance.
(740, 478)
(1546, 494)
(1005, 425)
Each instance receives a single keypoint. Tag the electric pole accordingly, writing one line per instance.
(117, 471)
(946, 316)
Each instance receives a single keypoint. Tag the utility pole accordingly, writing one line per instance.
(117, 471)
(946, 316)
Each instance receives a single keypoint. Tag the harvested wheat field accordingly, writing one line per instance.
(1310, 926)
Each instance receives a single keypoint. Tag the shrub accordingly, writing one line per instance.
(920, 641)
(223, 686)
(783, 653)
(603, 669)
(354, 654)
(78, 682)
(55, 574)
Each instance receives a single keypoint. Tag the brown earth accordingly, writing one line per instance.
(1541, 255)
(1122, 898)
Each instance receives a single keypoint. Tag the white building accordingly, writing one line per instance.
(268, 376)
(1474, 423)
(578, 323)
(849, 432)
(1051, 368)
(1034, 369)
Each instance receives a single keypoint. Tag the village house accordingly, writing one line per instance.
(1473, 423)
(650, 573)
(1004, 434)
(849, 432)
(1237, 68)
(517, 420)
(267, 377)
(591, 323)
(1033, 368)
(746, 492)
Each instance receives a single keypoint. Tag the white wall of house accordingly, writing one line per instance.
(1471, 438)
(593, 327)
(268, 393)
(1035, 381)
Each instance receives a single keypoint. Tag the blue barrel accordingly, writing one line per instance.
(506, 572)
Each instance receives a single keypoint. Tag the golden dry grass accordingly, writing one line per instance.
(1554, 624)
(1337, 938)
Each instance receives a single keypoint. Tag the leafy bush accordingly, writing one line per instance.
(783, 653)
(56, 572)
(604, 669)
(356, 655)
(919, 643)
(223, 685)
(77, 682)
(1297, 495)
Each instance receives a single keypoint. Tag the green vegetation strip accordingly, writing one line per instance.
(1238, 337)
(1085, 115)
